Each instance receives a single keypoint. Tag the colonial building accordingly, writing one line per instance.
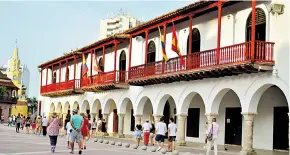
(231, 63)
(8, 96)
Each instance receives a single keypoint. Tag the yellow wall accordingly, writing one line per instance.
(22, 109)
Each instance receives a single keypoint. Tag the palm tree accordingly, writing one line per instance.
(32, 104)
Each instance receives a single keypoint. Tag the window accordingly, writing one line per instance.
(67, 74)
(151, 52)
(195, 41)
(101, 64)
(54, 77)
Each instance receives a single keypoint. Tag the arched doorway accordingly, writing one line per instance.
(67, 75)
(230, 114)
(54, 77)
(260, 30)
(86, 109)
(272, 121)
(122, 66)
(168, 108)
(101, 64)
(196, 120)
(129, 121)
(97, 109)
(112, 122)
(195, 41)
(52, 108)
(145, 109)
(151, 55)
(76, 106)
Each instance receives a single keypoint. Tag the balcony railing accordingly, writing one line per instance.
(234, 54)
(112, 77)
(62, 86)
(10, 100)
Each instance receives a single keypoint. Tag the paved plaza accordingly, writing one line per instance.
(12, 143)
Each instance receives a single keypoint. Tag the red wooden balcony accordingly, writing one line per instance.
(61, 89)
(233, 60)
(105, 81)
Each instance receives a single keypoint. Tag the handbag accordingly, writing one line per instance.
(210, 135)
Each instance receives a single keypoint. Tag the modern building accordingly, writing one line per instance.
(117, 24)
(18, 73)
(8, 96)
(233, 66)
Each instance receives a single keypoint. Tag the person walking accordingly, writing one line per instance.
(53, 131)
(27, 124)
(152, 133)
(146, 132)
(75, 135)
(161, 130)
(44, 126)
(171, 135)
(212, 136)
(85, 130)
(18, 122)
(94, 127)
(38, 125)
(138, 133)
(68, 133)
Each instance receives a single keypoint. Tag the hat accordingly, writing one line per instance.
(75, 110)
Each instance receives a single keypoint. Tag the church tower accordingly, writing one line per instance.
(13, 70)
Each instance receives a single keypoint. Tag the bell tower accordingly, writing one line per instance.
(13, 70)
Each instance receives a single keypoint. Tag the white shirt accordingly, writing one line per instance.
(161, 128)
(172, 129)
(44, 122)
(68, 127)
(146, 127)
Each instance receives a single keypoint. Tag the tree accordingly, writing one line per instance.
(2, 91)
(32, 105)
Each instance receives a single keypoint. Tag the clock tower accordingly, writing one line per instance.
(13, 70)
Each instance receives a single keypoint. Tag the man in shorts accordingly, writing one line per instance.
(75, 135)
(161, 129)
(171, 135)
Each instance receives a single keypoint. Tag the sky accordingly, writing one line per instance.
(46, 30)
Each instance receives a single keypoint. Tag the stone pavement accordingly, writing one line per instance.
(12, 143)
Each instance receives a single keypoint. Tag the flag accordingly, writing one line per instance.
(162, 45)
(174, 45)
(96, 66)
(85, 68)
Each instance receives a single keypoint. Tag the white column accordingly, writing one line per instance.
(157, 119)
(138, 119)
(121, 125)
(248, 134)
(181, 119)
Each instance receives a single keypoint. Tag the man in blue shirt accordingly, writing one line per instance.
(76, 136)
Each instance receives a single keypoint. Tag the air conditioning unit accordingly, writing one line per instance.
(277, 8)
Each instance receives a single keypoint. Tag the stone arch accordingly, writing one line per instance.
(217, 98)
(76, 105)
(108, 104)
(66, 107)
(253, 97)
(59, 108)
(52, 108)
(186, 102)
(85, 106)
(124, 104)
(141, 104)
(96, 105)
(162, 102)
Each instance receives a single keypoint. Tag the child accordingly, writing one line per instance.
(68, 131)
